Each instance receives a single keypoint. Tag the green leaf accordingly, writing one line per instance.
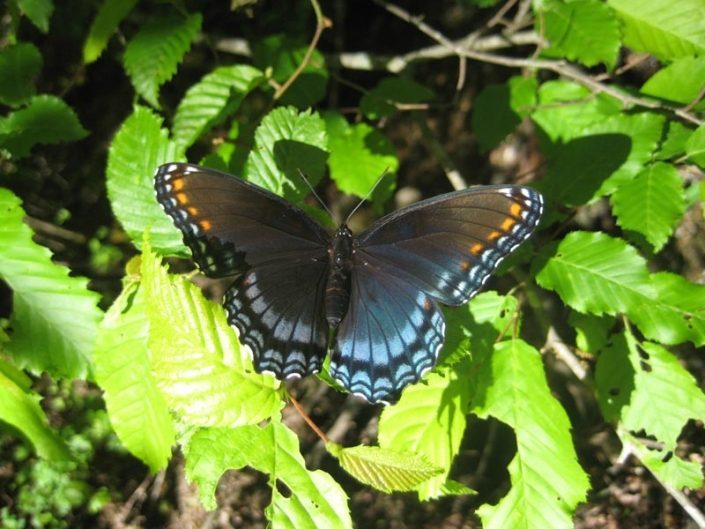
(210, 100)
(380, 101)
(19, 66)
(197, 361)
(647, 389)
(566, 109)
(652, 204)
(547, 482)
(668, 467)
(286, 142)
(591, 332)
(669, 30)
(644, 129)
(676, 312)
(674, 144)
(359, 156)
(152, 56)
(582, 30)
(282, 55)
(54, 318)
(103, 26)
(595, 273)
(21, 409)
(384, 469)
(580, 168)
(38, 11)
(45, 120)
(137, 410)
(695, 146)
(680, 81)
(499, 108)
(429, 420)
(139, 147)
(315, 499)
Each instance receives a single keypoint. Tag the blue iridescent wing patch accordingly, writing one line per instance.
(389, 337)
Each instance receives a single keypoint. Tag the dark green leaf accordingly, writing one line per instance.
(581, 167)
(19, 65)
(379, 102)
(38, 11)
(46, 120)
(152, 56)
(210, 100)
(104, 25)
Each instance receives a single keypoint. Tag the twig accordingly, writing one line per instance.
(559, 67)
(555, 344)
(321, 23)
(452, 172)
(308, 419)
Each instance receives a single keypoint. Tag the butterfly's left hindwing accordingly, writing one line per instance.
(276, 253)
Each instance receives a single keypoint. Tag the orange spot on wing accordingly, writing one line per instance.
(427, 304)
(508, 223)
(494, 235)
(515, 209)
(476, 249)
(178, 184)
(464, 266)
(192, 211)
(206, 225)
(181, 198)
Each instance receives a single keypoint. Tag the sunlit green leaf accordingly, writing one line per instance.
(138, 148)
(314, 498)
(652, 203)
(137, 409)
(547, 483)
(204, 373)
(54, 317)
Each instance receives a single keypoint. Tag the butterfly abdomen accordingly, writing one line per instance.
(338, 285)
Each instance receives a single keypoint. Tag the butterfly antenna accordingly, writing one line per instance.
(369, 193)
(303, 176)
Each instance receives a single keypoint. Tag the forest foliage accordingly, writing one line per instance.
(172, 371)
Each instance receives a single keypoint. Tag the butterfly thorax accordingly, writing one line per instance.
(340, 253)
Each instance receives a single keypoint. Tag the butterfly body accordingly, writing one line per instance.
(338, 286)
(380, 292)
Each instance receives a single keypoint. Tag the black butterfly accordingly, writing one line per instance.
(294, 281)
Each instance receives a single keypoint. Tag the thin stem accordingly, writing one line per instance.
(321, 23)
(308, 419)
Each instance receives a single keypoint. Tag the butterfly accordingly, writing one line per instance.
(374, 298)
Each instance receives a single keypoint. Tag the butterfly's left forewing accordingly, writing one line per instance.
(449, 245)
(276, 253)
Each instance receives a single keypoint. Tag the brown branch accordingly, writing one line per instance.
(321, 23)
(561, 68)
(305, 416)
